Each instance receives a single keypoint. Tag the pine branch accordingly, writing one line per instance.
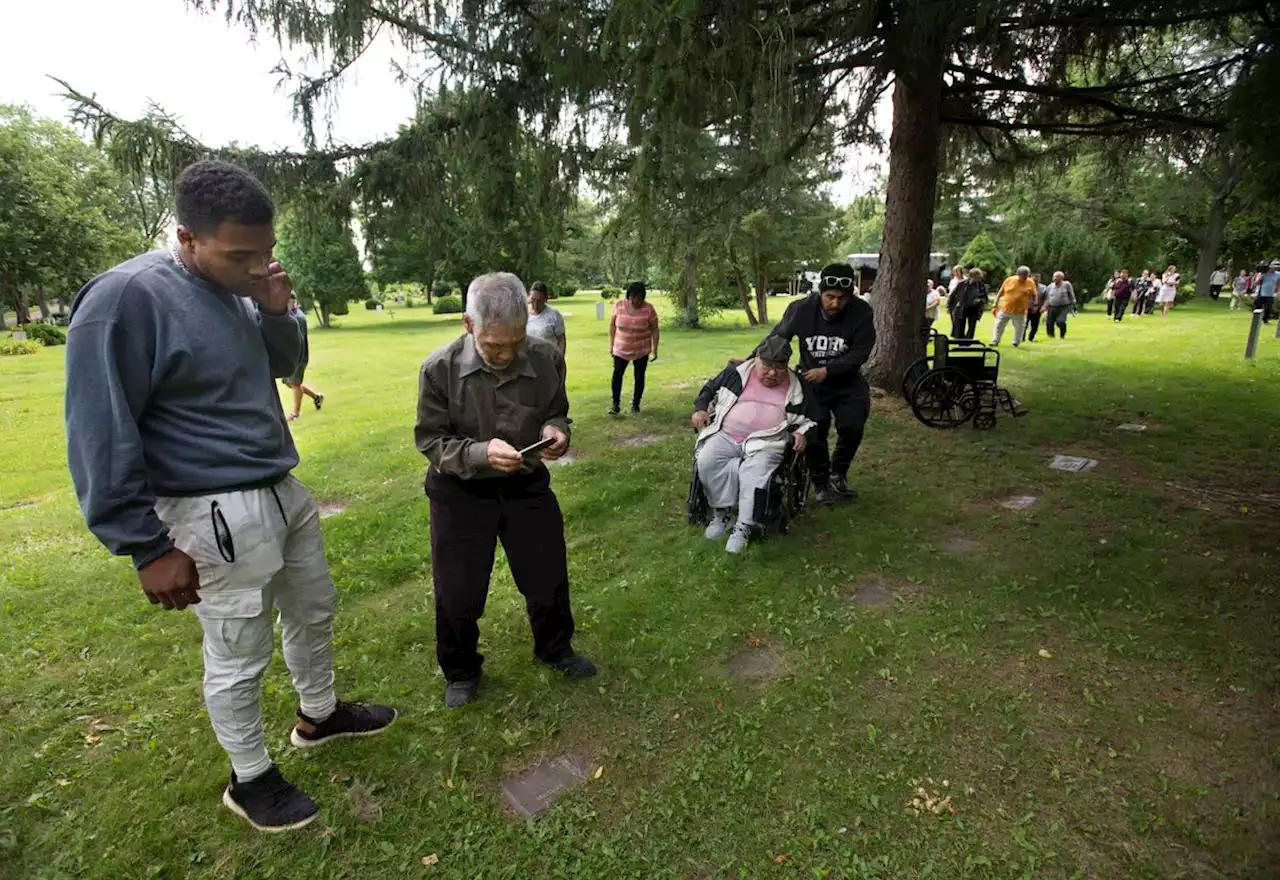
(1103, 16)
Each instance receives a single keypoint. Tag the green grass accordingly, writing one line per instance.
(1143, 745)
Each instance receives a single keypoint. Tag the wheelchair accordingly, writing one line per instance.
(957, 381)
(782, 500)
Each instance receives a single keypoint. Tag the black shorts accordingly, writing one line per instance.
(296, 378)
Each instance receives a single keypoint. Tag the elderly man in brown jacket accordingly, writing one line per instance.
(492, 410)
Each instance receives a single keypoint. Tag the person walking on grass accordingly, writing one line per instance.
(482, 399)
(837, 332)
(1108, 295)
(181, 459)
(1060, 300)
(1266, 299)
(1168, 290)
(1143, 288)
(294, 381)
(1015, 296)
(1036, 307)
(1121, 292)
(1217, 281)
(633, 339)
(966, 304)
(1240, 290)
(545, 323)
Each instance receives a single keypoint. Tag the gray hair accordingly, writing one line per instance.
(1023, 270)
(496, 298)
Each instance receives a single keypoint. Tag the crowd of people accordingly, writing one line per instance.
(182, 459)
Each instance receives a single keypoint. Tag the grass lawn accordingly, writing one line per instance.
(1094, 682)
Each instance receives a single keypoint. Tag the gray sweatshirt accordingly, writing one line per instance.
(170, 392)
(1061, 294)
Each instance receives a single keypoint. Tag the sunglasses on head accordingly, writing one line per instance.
(832, 281)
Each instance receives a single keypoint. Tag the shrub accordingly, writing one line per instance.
(441, 289)
(448, 305)
(611, 293)
(568, 290)
(46, 334)
(10, 347)
(371, 304)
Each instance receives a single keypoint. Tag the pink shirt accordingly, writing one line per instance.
(758, 408)
(633, 330)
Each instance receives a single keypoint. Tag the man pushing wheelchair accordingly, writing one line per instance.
(752, 420)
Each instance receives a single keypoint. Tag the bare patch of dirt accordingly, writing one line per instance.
(362, 805)
(678, 385)
(331, 508)
(642, 440)
(875, 591)
(960, 544)
(756, 662)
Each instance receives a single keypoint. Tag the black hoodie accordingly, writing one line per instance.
(842, 345)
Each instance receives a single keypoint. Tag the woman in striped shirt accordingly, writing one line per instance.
(633, 339)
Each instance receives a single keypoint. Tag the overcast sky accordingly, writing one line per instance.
(201, 69)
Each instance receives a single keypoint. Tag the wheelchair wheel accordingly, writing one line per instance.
(944, 398)
(914, 374)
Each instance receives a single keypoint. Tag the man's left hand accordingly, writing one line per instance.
(272, 293)
(800, 442)
(558, 448)
(817, 375)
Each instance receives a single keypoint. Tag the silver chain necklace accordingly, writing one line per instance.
(173, 252)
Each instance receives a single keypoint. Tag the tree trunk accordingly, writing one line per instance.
(910, 196)
(42, 302)
(742, 288)
(3, 324)
(762, 298)
(1214, 232)
(20, 306)
(324, 314)
(687, 289)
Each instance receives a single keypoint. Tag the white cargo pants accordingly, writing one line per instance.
(728, 474)
(255, 551)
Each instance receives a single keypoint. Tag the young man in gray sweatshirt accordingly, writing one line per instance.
(181, 459)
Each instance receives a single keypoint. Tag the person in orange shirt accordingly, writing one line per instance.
(1016, 294)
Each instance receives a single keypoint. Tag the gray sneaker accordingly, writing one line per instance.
(458, 693)
(738, 539)
(721, 520)
(840, 485)
(826, 496)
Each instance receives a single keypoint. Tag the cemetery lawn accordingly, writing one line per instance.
(1092, 682)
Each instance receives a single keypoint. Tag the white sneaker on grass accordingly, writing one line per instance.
(721, 520)
(738, 539)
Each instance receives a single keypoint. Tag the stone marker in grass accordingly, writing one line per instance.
(1132, 426)
(533, 791)
(328, 510)
(1072, 463)
(1019, 502)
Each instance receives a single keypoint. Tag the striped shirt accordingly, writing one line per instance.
(633, 333)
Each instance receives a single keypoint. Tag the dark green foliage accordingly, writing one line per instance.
(983, 253)
(448, 305)
(371, 304)
(566, 290)
(610, 292)
(441, 288)
(315, 246)
(46, 334)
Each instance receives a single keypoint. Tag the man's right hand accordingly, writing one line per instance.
(171, 581)
(701, 419)
(503, 456)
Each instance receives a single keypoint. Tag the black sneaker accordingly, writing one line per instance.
(319, 401)
(614, 410)
(347, 720)
(269, 803)
(841, 487)
(458, 693)
(575, 666)
(635, 408)
(826, 496)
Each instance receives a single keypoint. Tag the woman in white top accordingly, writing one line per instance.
(1168, 289)
(957, 278)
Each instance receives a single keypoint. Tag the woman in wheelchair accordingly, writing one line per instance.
(749, 418)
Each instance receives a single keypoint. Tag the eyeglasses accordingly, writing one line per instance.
(831, 281)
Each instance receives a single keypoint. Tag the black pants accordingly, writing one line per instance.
(1214, 290)
(1058, 318)
(619, 368)
(1139, 303)
(1111, 304)
(468, 518)
(1268, 306)
(849, 407)
(1033, 325)
(963, 325)
(1122, 306)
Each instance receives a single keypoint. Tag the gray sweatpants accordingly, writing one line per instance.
(728, 475)
(257, 551)
(1019, 327)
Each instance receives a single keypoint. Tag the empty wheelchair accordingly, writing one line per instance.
(956, 381)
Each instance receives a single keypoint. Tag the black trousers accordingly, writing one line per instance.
(1139, 303)
(1122, 306)
(1214, 291)
(963, 325)
(1111, 304)
(619, 368)
(1033, 325)
(1058, 319)
(468, 518)
(1268, 306)
(849, 408)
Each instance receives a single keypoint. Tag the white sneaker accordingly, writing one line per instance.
(719, 525)
(737, 540)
